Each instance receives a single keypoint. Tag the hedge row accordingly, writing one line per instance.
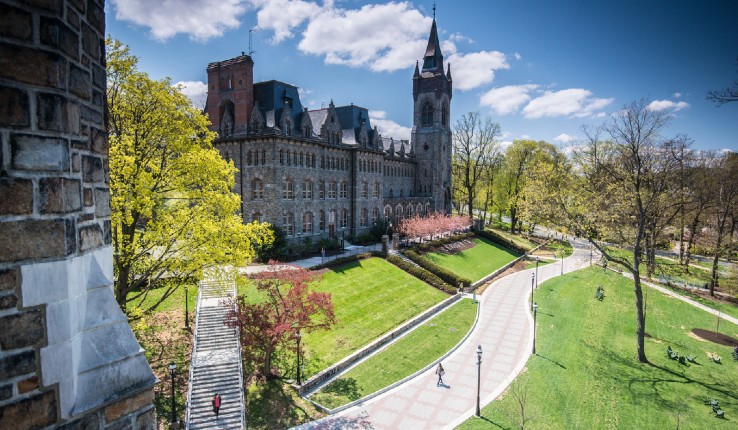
(348, 259)
(448, 276)
(496, 238)
(421, 274)
(428, 246)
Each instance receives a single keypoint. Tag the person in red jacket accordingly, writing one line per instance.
(216, 405)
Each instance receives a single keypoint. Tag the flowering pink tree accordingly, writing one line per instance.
(432, 225)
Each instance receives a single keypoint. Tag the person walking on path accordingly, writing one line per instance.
(440, 372)
(216, 405)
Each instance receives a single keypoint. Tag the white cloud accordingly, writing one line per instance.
(506, 100)
(676, 95)
(475, 69)
(564, 138)
(659, 105)
(574, 102)
(518, 56)
(383, 37)
(283, 16)
(196, 91)
(387, 127)
(200, 19)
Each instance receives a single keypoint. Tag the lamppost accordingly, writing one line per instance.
(298, 337)
(562, 261)
(172, 371)
(342, 230)
(532, 284)
(479, 375)
(187, 309)
(537, 260)
(535, 311)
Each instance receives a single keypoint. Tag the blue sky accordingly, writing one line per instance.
(542, 69)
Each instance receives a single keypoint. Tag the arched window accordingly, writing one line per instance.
(321, 189)
(387, 213)
(307, 222)
(343, 190)
(419, 209)
(409, 210)
(426, 115)
(331, 190)
(321, 221)
(257, 216)
(375, 215)
(364, 190)
(288, 189)
(375, 193)
(344, 218)
(398, 212)
(364, 219)
(288, 223)
(257, 189)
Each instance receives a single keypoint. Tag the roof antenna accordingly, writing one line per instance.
(251, 51)
(434, 10)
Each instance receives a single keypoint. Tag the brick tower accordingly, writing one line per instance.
(230, 95)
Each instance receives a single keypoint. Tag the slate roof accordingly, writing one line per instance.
(271, 96)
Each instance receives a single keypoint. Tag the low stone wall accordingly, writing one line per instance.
(324, 376)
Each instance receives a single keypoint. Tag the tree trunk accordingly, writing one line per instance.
(268, 362)
(640, 315)
(513, 219)
(714, 277)
(121, 287)
(690, 242)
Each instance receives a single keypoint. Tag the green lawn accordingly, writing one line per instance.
(370, 298)
(517, 239)
(416, 350)
(477, 262)
(586, 376)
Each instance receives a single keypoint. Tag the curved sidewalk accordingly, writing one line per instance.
(505, 333)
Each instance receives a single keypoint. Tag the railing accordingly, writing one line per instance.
(240, 367)
(192, 358)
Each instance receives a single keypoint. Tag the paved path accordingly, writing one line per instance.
(505, 333)
(216, 364)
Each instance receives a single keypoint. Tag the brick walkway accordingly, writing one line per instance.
(505, 333)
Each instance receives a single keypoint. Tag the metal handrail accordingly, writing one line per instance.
(192, 357)
(240, 365)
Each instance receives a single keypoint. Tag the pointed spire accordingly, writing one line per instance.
(417, 71)
(448, 74)
(433, 58)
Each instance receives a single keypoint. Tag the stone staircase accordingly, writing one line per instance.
(403, 257)
(216, 363)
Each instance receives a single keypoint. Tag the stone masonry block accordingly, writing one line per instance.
(147, 420)
(91, 42)
(87, 192)
(52, 5)
(92, 169)
(8, 279)
(88, 422)
(38, 67)
(27, 385)
(55, 34)
(30, 152)
(102, 202)
(6, 392)
(17, 364)
(96, 16)
(107, 232)
(98, 76)
(14, 111)
(21, 330)
(90, 237)
(59, 195)
(79, 82)
(56, 113)
(73, 18)
(128, 405)
(8, 301)
(17, 196)
(32, 239)
(99, 141)
(15, 23)
(31, 413)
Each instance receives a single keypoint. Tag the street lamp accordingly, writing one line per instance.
(532, 284)
(535, 311)
(479, 375)
(342, 230)
(172, 371)
(298, 337)
(562, 261)
(537, 260)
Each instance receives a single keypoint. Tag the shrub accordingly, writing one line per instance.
(422, 274)
(446, 275)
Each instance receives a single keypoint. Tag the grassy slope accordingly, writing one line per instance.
(586, 375)
(518, 239)
(403, 358)
(370, 297)
(477, 262)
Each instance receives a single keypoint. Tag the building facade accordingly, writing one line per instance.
(318, 173)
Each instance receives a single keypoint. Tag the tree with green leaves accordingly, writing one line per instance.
(475, 147)
(173, 212)
(512, 178)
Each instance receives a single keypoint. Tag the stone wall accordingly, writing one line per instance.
(67, 356)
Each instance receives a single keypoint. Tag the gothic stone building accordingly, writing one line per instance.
(319, 172)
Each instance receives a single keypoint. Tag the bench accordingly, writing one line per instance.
(671, 353)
